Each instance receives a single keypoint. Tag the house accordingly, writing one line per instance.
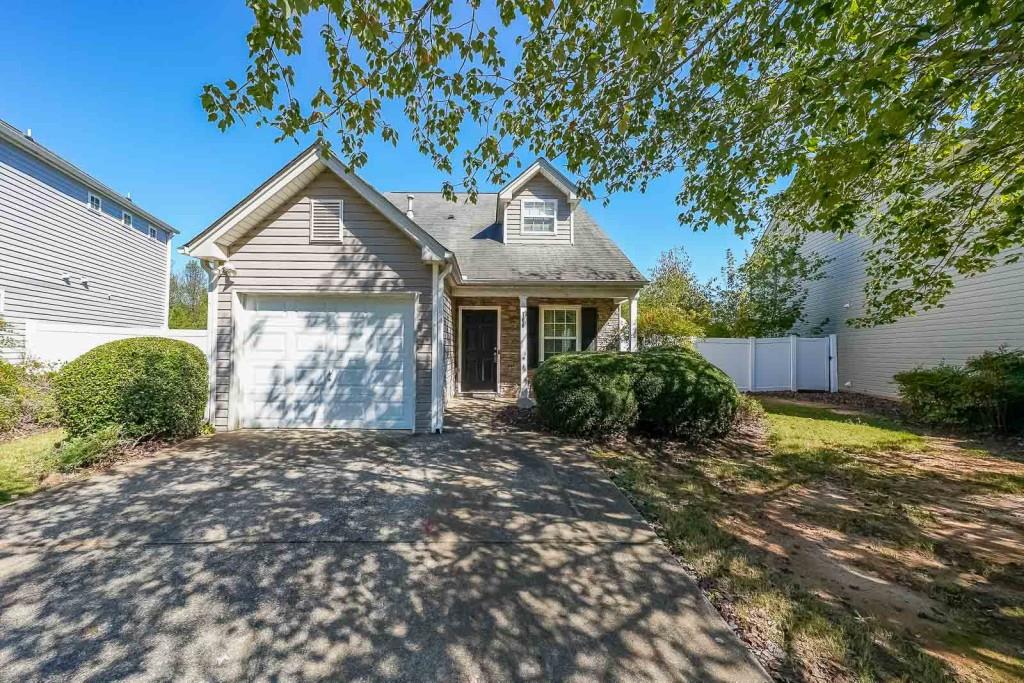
(336, 305)
(980, 314)
(71, 249)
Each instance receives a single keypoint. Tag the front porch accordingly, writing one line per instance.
(496, 340)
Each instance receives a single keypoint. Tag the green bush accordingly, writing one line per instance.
(683, 395)
(10, 397)
(586, 394)
(985, 394)
(80, 451)
(671, 391)
(148, 386)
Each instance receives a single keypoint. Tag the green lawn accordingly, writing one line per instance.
(24, 462)
(744, 515)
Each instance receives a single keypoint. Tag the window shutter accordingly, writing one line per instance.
(588, 329)
(325, 220)
(532, 335)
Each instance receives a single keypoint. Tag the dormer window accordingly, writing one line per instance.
(95, 203)
(126, 218)
(539, 215)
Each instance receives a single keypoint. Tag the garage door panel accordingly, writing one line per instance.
(327, 362)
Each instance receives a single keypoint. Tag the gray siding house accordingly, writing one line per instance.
(980, 314)
(336, 305)
(71, 249)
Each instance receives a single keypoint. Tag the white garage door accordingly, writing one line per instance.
(320, 361)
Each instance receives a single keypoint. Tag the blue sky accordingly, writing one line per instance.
(114, 88)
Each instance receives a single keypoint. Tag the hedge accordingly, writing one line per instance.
(671, 391)
(147, 386)
(681, 394)
(10, 397)
(586, 394)
(984, 394)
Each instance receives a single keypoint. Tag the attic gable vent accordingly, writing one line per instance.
(326, 223)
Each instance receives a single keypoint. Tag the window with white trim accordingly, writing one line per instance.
(95, 202)
(559, 331)
(126, 218)
(154, 233)
(539, 215)
(326, 220)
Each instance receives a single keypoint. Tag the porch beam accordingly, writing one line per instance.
(566, 291)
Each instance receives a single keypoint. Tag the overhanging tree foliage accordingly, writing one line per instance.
(902, 119)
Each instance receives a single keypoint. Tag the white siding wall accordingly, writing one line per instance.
(375, 256)
(541, 188)
(980, 314)
(47, 232)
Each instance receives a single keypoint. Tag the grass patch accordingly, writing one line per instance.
(25, 461)
(799, 429)
(861, 477)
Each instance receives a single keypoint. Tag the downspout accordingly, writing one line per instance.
(441, 367)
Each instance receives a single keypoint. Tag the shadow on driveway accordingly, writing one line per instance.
(475, 555)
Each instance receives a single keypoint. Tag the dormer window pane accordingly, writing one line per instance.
(539, 215)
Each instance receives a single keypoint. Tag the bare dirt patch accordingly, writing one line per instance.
(841, 543)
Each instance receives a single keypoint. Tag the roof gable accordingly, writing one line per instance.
(214, 241)
(545, 168)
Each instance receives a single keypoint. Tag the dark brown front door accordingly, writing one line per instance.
(479, 350)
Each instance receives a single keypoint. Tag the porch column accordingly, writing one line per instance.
(524, 391)
(620, 309)
(634, 307)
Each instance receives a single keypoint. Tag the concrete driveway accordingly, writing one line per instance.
(476, 555)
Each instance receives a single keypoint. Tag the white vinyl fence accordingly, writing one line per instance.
(54, 343)
(775, 364)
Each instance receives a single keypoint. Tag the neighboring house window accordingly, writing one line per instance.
(539, 215)
(559, 331)
(95, 203)
(326, 222)
(154, 234)
(126, 218)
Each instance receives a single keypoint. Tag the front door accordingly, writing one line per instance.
(479, 350)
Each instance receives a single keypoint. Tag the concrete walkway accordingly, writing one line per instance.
(299, 555)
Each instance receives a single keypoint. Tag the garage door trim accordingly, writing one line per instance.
(236, 391)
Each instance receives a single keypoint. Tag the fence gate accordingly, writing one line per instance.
(775, 363)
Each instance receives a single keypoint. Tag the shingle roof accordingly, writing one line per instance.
(475, 238)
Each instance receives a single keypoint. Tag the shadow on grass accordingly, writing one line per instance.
(847, 483)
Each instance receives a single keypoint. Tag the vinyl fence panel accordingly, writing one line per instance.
(55, 343)
(774, 364)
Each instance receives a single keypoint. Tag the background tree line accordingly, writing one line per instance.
(763, 296)
(188, 298)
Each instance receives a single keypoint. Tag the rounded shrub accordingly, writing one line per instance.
(586, 394)
(147, 386)
(670, 391)
(682, 395)
(10, 397)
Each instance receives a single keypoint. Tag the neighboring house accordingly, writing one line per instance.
(980, 314)
(336, 305)
(71, 249)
